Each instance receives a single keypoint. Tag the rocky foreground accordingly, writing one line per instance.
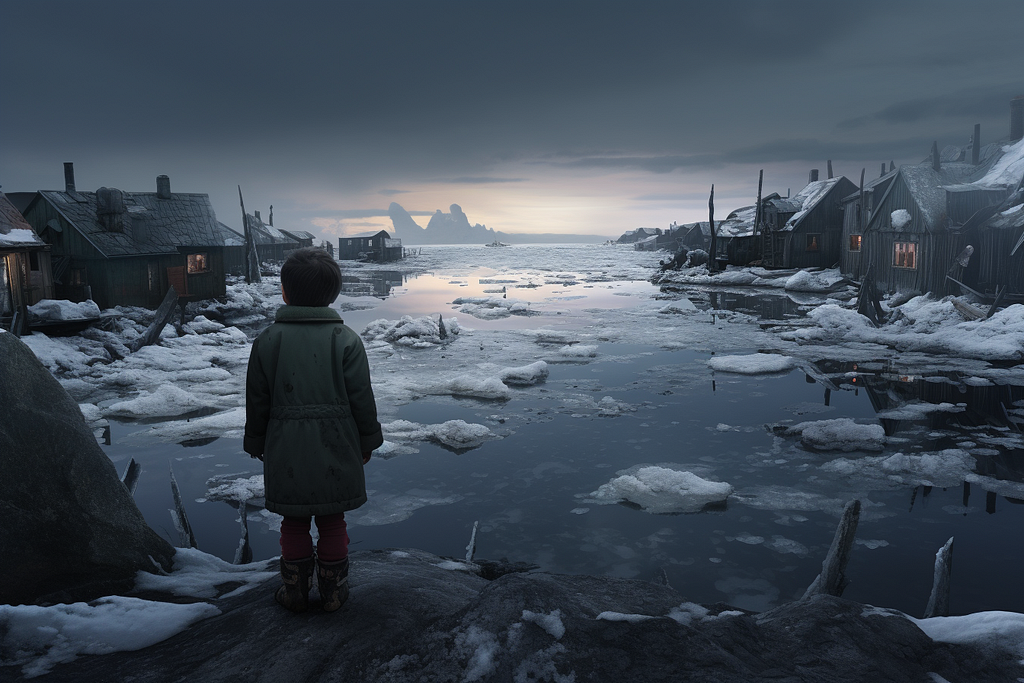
(415, 617)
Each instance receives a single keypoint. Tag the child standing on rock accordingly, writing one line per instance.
(310, 416)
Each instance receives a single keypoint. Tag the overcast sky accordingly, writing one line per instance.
(584, 117)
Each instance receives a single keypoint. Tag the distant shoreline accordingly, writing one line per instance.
(522, 238)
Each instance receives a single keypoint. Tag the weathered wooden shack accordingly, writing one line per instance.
(805, 231)
(696, 236)
(272, 244)
(998, 259)
(25, 276)
(912, 236)
(735, 242)
(380, 247)
(234, 249)
(856, 211)
(129, 248)
(305, 239)
(632, 236)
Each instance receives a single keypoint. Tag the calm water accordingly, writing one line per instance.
(527, 489)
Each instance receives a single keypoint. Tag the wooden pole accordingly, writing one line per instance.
(938, 601)
(860, 207)
(829, 169)
(712, 264)
(832, 579)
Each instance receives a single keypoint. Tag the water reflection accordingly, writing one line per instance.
(378, 283)
(762, 305)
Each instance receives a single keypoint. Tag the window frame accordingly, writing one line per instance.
(860, 242)
(197, 263)
(907, 248)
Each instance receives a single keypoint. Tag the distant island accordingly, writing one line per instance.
(454, 228)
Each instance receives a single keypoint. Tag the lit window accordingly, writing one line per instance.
(813, 242)
(198, 263)
(905, 255)
(855, 242)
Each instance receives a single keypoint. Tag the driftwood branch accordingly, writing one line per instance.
(832, 579)
(471, 548)
(179, 518)
(938, 601)
(163, 316)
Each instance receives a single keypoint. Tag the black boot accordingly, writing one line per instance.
(332, 578)
(297, 576)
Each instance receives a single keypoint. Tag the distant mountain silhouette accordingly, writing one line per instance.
(454, 228)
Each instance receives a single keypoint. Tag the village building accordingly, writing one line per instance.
(735, 241)
(806, 230)
(129, 248)
(380, 247)
(234, 249)
(695, 236)
(304, 239)
(633, 236)
(272, 244)
(856, 210)
(25, 276)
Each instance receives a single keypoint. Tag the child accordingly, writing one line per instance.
(311, 418)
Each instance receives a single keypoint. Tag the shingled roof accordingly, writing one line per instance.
(153, 225)
(14, 229)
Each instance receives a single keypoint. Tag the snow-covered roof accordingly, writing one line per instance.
(14, 229)
(926, 186)
(739, 223)
(229, 236)
(807, 198)
(264, 233)
(299, 234)
(156, 225)
(1008, 169)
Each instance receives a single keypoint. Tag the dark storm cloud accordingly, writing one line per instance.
(982, 103)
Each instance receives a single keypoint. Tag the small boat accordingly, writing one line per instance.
(496, 243)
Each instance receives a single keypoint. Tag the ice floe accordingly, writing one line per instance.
(753, 364)
(661, 490)
(843, 434)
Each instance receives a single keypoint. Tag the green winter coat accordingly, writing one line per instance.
(310, 412)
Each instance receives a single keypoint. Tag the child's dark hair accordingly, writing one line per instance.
(310, 277)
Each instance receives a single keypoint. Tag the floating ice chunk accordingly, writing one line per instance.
(783, 545)
(231, 487)
(490, 388)
(944, 468)
(38, 638)
(61, 309)
(527, 374)
(919, 410)
(227, 423)
(408, 331)
(661, 490)
(578, 351)
(749, 539)
(491, 308)
(390, 508)
(752, 364)
(550, 622)
(683, 305)
(163, 401)
(456, 434)
(841, 434)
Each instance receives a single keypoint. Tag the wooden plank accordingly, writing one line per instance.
(163, 316)
(938, 600)
(832, 579)
(130, 479)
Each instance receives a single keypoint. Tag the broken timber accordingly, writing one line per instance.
(163, 316)
(243, 553)
(868, 300)
(130, 478)
(938, 601)
(832, 579)
(471, 548)
(179, 518)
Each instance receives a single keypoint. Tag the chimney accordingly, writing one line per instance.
(892, 166)
(883, 169)
(257, 212)
(69, 176)
(936, 164)
(1017, 118)
(976, 145)
(163, 187)
(271, 215)
(830, 169)
(812, 176)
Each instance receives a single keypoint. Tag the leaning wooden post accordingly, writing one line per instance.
(161, 318)
(830, 169)
(252, 257)
(130, 478)
(938, 601)
(832, 579)
(757, 214)
(178, 517)
(712, 265)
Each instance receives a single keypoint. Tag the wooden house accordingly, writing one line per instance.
(997, 262)
(305, 239)
(696, 236)
(234, 249)
(912, 235)
(25, 276)
(735, 242)
(856, 211)
(380, 247)
(633, 236)
(272, 244)
(129, 248)
(805, 231)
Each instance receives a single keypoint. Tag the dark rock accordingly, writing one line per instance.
(70, 529)
(409, 618)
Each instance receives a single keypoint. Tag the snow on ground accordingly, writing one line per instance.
(60, 309)
(753, 364)
(525, 375)
(661, 490)
(1003, 630)
(37, 638)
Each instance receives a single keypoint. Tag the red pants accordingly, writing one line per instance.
(297, 544)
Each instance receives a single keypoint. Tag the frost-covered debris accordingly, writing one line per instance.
(198, 575)
(525, 375)
(38, 638)
(60, 309)
(927, 325)
(455, 434)
(839, 434)
(420, 333)
(660, 490)
(491, 308)
(752, 364)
